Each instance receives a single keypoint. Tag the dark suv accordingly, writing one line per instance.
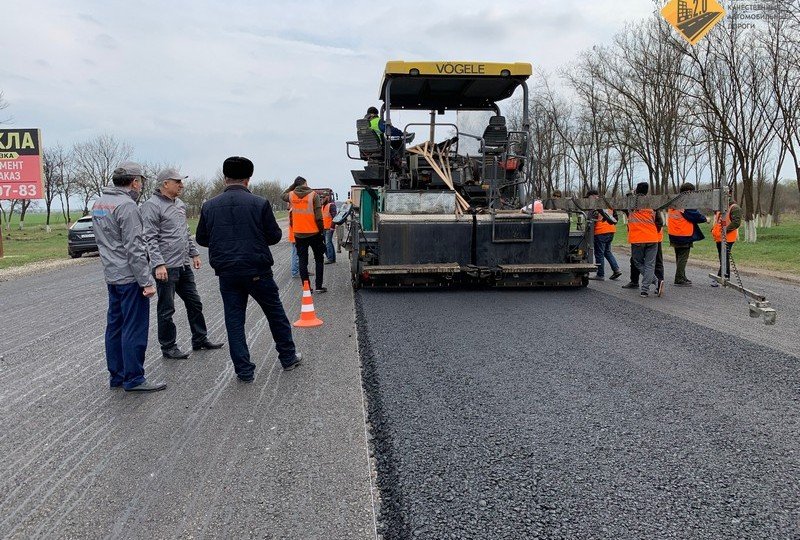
(81, 238)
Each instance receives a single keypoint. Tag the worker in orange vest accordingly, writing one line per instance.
(683, 232)
(644, 236)
(605, 226)
(328, 211)
(732, 221)
(307, 227)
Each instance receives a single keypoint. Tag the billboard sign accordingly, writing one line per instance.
(21, 164)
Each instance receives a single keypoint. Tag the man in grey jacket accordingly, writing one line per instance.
(171, 249)
(118, 230)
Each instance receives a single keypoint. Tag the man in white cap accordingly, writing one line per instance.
(118, 229)
(172, 257)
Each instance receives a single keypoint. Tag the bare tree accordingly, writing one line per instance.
(55, 160)
(736, 101)
(638, 80)
(782, 43)
(96, 160)
(195, 193)
(270, 190)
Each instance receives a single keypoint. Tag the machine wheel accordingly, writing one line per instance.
(584, 281)
(76, 255)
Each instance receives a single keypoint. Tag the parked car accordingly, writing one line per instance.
(81, 239)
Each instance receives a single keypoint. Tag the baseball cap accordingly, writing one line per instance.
(129, 168)
(170, 174)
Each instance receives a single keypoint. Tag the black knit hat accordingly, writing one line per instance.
(237, 168)
(642, 188)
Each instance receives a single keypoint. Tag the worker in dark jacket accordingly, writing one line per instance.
(120, 239)
(238, 228)
(683, 232)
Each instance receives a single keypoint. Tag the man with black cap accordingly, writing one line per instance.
(238, 228)
(172, 256)
(117, 227)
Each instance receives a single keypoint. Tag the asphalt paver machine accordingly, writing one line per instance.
(430, 214)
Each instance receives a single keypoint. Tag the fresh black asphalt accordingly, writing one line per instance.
(583, 414)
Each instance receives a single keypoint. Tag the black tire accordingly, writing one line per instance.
(76, 255)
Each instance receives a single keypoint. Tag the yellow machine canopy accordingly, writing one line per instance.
(450, 85)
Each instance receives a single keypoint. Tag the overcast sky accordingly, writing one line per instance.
(282, 83)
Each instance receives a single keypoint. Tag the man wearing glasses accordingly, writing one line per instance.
(172, 257)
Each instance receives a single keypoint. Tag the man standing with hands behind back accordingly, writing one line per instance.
(169, 241)
(118, 228)
(238, 228)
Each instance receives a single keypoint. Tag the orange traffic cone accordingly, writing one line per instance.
(308, 317)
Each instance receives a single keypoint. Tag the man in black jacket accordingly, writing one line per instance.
(238, 228)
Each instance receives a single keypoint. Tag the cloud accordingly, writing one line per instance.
(105, 41)
(282, 83)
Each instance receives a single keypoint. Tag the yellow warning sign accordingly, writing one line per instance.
(693, 18)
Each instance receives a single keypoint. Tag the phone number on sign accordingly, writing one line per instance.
(18, 191)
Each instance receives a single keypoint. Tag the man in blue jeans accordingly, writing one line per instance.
(126, 267)
(238, 228)
(605, 226)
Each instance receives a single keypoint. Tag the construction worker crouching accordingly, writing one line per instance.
(644, 236)
(682, 226)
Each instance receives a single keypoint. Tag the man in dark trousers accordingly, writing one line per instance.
(308, 228)
(172, 256)
(683, 233)
(117, 226)
(238, 228)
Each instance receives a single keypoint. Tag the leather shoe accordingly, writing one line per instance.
(298, 359)
(147, 387)
(208, 345)
(175, 353)
(631, 285)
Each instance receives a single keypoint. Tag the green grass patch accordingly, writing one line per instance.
(776, 249)
(35, 244)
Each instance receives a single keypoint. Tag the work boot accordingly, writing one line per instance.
(175, 353)
(631, 285)
(616, 275)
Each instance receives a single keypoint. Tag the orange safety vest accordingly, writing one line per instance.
(291, 229)
(303, 221)
(716, 230)
(327, 218)
(642, 227)
(679, 225)
(601, 226)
